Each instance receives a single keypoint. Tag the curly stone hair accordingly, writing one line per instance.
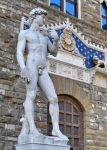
(37, 11)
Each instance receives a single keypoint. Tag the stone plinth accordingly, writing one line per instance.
(40, 146)
(43, 143)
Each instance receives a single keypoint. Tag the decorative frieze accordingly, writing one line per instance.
(96, 76)
(71, 27)
(69, 71)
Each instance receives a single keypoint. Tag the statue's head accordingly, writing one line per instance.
(37, 11)
(38, 14)
(95, 60)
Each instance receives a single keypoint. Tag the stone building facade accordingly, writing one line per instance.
(81, 88)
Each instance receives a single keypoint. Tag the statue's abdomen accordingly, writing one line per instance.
(37, 55)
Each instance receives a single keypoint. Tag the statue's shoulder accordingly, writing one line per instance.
(22, 34)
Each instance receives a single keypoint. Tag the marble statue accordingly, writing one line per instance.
(34, 70)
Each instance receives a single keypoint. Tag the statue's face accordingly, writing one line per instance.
(40, 19)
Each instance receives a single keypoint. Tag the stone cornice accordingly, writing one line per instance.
(79, 34)
(85, 40)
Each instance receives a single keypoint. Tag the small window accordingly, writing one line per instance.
(68, 6)
(104, 15)
(71, 7)
(56, 4)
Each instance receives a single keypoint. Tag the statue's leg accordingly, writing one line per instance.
(30, 97)
(29, 111)
(25, 126)
(47, 86)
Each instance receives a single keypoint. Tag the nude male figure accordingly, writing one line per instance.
(35, 70)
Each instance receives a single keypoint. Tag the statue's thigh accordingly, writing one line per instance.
(46, 85)
(33, 75)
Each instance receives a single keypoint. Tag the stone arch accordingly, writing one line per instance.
(77, 102)
(72, 88)
(71, 120)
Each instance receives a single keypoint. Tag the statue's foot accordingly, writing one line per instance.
(35, 136)
(23, 137)
(59, 134)
(23, 134)
(35, 132)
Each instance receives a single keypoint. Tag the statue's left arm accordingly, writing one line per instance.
(53, 48)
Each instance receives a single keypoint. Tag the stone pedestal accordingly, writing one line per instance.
(42, 143)
(38, 146)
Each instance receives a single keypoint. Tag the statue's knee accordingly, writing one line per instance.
(53, 100)
(30, 98)
(31, 95)
(26, 103)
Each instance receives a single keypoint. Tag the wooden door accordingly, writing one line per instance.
(70, 121)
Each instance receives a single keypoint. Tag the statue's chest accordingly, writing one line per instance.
(36, 38)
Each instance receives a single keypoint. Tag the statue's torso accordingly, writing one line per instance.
(36, 44)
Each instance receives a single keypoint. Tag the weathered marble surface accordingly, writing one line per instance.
(42, 143)
(41, 139)
(34, 72)
(38, 146)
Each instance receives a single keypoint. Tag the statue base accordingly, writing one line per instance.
(38, 146)
(43, 143)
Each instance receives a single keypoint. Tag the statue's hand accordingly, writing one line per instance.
(23, 19)
(54, 34)
(25, 75)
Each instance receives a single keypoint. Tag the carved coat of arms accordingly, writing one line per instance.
(67, 41)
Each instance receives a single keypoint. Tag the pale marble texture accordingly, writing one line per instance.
(39, 146)
(34, 71)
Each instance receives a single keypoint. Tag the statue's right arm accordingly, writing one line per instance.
(20, 49)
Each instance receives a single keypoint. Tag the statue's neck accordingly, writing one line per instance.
(34, 26)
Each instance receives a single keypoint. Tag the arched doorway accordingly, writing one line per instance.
(70, 121)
